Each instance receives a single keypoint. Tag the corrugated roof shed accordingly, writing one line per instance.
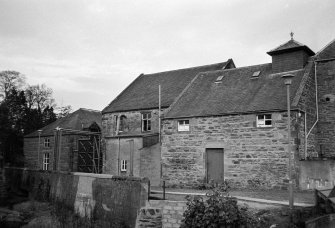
(238, 92)
(82, 118)
(142, 93)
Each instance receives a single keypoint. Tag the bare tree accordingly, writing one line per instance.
(63, 111)
(10, 80)
(39, 97)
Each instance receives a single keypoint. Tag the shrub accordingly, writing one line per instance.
(217, 209)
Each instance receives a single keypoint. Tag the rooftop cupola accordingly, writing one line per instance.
(289, 56)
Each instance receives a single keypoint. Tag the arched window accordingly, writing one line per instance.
(123, 122)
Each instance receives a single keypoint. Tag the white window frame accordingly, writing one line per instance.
(262, 120)
(183, 125)
(46, 161)
(123, 166)
(47, 143)
(146, 121)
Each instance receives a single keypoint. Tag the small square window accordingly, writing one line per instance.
(123, 165)
(46, 161)
(264, 120)
(47, 143)
(183, 125)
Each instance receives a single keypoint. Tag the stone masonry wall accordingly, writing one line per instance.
(116, 147)
(151, 164)
(172, 212)
(68, 158)
(133, 123)
(120, 149)
(307, 104)
(326, 97)
(251, 154)
(108, 201)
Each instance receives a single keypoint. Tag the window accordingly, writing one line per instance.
(183, 125)
(123, 165)
(122, 126)
(46, 159)
(256, 74)
(47, 143)
(264, 120)
(146, 121)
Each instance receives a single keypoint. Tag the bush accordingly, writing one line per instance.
(217, 209)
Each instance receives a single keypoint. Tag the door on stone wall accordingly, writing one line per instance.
(215, 163)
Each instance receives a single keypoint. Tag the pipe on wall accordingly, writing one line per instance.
(316, 106)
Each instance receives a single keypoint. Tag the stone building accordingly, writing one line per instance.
(221, 122)
(66, 144)
(232, 124)
(131, 121)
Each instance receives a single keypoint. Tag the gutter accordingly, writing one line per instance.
(234, 113)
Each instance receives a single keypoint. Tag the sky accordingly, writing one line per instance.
(88, 51)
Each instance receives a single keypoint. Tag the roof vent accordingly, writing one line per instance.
(256, 74)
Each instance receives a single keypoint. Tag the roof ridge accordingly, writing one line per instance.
(238, 68)
(87, 109)
(285, 44)
(187, 68)
(324, 48)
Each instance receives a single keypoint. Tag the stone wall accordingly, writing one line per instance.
(326, 97)
(252, 155)
(118, 149)
(133, 122)
(68, 158)
(151, 164)
(146, 159)
(307, 103)
(317, 174)
(172, 212)
(109, 201)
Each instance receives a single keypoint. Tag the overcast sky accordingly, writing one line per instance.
(89, 51)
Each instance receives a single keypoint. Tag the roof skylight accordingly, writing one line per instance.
(219, 78)
(256, 74)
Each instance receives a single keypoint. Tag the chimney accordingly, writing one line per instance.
(289, 56)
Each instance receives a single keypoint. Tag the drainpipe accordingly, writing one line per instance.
(317, 109)
(160, 128)
(118, 154)
(38, 150)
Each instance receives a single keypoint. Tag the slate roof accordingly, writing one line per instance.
(82, 118)
(290, 45)
(237, 93)
(142, 93)
(328, 52)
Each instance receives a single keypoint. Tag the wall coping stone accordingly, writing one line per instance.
(95, 175)
(264, 201)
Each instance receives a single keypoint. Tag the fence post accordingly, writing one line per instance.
(149, 190)
(164, 190)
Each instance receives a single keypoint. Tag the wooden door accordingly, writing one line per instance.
(215, 165)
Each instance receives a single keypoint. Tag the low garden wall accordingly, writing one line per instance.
(172, 211)
(316, 174)
(108, 201)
